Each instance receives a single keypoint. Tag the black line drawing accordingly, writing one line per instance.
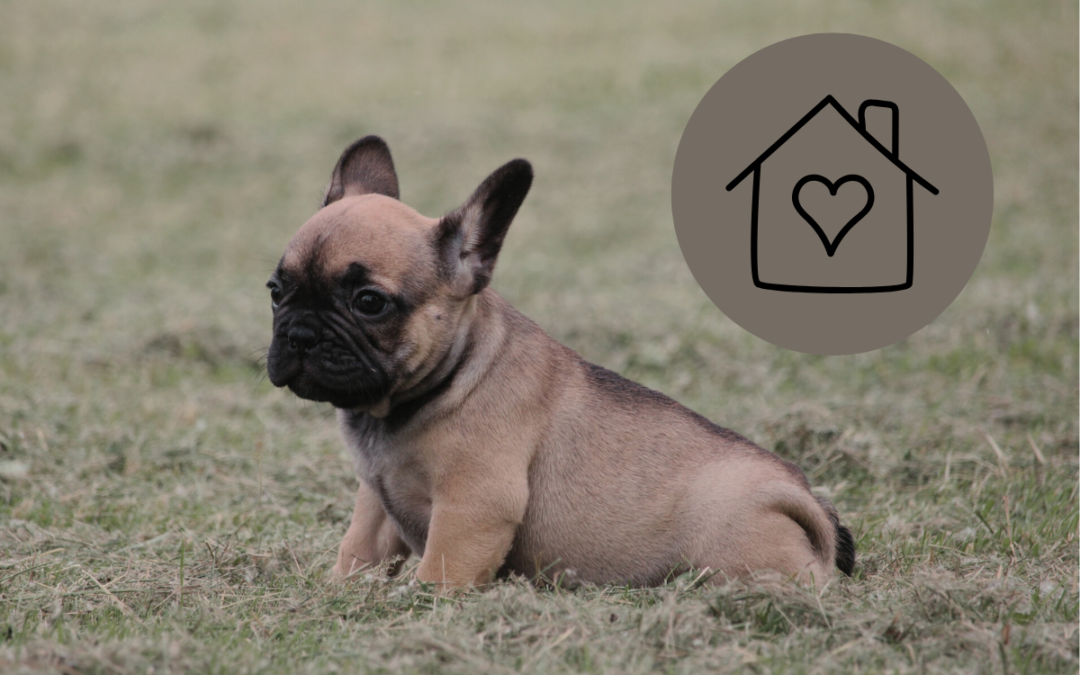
(831, 246)
(911, 177)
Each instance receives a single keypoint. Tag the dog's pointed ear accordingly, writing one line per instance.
(469, 239)
(364, 168)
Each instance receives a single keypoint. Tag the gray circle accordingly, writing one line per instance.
(832, 194)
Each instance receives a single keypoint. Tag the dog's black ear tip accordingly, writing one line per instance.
(516, 176)
(507, 185)
(369, 148)
(369, 141)
(520, 168)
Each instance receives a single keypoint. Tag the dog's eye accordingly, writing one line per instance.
(275, 294)
(370, 302)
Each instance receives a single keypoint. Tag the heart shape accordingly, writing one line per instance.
(830, 246)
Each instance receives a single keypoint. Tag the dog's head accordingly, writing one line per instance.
(369, 296)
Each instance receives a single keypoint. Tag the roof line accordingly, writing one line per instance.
(829, 100)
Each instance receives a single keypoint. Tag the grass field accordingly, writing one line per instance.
(164, 509)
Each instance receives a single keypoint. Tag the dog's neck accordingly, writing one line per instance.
(462, 367)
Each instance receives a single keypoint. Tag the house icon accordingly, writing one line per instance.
(833, 206)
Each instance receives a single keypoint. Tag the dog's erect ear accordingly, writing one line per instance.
(364, 168)
(469, 239)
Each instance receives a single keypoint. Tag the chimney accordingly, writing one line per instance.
(889, 138)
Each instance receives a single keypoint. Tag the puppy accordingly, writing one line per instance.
(487, 448)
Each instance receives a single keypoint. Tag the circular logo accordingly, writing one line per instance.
(832, 194)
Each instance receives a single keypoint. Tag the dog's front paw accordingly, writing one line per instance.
(344, 571)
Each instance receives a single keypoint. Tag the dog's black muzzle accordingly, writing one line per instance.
(314, 365)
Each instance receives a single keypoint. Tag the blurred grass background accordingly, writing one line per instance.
(162, 506)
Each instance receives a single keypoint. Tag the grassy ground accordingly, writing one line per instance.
(163, 509)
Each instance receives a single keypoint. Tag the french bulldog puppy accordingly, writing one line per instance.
(486, 447)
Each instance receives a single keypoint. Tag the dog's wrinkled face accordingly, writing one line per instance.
(344, 296)
(368, 295)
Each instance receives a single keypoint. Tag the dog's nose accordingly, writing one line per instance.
(302, 338)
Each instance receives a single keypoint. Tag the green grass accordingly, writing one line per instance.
(162, 506)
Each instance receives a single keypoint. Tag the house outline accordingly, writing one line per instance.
(859, 126)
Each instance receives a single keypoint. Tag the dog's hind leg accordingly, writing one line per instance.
(762, 522)
(809, 554)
